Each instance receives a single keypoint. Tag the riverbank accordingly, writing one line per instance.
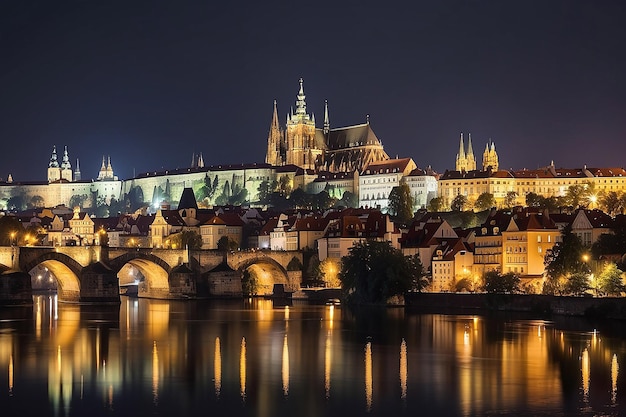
(603, 307)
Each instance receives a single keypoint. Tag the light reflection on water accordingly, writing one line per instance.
(164, 358)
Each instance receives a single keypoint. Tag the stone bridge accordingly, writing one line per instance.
(95, 273)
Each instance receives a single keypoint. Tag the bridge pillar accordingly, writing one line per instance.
(15, 288)
(182, 281)
(99, 283)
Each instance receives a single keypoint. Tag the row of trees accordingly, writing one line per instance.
(577, 196)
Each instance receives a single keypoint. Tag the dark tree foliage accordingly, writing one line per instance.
(348, 200)
(400, 203)
(225, 243)
(497, 283)
(374, 271)
(459, 203)
(187, 239)
(563, 260)
(576, 284)
(484, 202)
(249, 284)
(510, 199)
(435, 205)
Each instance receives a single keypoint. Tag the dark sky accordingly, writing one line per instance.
(151, 82)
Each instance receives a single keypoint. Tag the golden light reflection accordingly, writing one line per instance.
(155, 373)
(242, 368)
(331, 316)
(286, 313)
(586, 374)
(368, 376)
(11, 375)
(614, 372)
(38, 319)
(285, 368)
(328, 359)
(403, 369)
(218, 367)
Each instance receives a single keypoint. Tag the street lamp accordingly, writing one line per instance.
(13, 238)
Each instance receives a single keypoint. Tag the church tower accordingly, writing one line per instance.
(490, 157)
(301, 149)
(54, 171)
(465, 161)
(66, 167)
(274, 141)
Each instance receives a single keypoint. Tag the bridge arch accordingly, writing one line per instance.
(154, 269)
(266, 271)
(66, 271)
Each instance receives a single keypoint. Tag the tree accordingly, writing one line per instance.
(610, 280)
(576, 195)
(16, 203)
(510, 199)
(37, 201)
(373, 272)
(187, 239)
(459, 203)
(249, 284)
(563, 260)
(497, 283)
(577, 284)
(225, 244)
(533, 200)
(435, 205)
(77, 200)
(484, 202)
(400, 203)
(348, 200)
(611, 203)
(323, 201)
(264, 191)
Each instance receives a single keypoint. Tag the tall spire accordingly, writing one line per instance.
(65, 164)
(77, 175)
(54, 163)
(470, 151)
(200, 161)
(326, 120)
(300, 103)
(461, 148)
(274, 123)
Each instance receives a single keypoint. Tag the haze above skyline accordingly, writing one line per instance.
(152, 82)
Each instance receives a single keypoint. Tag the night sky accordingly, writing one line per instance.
(151, 82)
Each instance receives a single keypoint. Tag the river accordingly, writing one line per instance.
(257, 358)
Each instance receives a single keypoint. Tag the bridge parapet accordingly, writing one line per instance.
(241, 258)
(172, 257)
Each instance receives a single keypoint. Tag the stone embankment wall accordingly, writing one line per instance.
(609, 307)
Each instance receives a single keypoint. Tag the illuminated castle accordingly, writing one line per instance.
(300, 143)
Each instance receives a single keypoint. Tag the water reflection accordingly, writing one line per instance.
(614, 372)
(218, 367)
(404, 369)
(368, 376)
(242, 369)
(167, 356)
(285, 368)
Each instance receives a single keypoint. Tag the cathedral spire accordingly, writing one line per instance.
(326, 120)
(300, 103)
(54, 163)
(461, 148)
(470, 151)
(77, 175)
(65, 164)
(200, 161)
(274, 124)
